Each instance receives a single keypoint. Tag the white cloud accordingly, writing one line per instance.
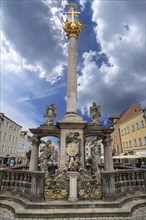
(10, 59)
(39, 47)
(83, 3)
(41, 93)
(122, 38)
(12, 62)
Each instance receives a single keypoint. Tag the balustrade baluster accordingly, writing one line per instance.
(11, 181)
(141, 181)
(116, 182)
(137, 180)
(121, 182)
(133, 182)
(7, 182)
(24, 183)
(125, 182)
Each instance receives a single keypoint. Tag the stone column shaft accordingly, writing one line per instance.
(108, 161)
(62, 152)
(34, 155)
(72, 77)
(73, 187)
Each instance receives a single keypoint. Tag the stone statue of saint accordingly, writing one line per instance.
(45, 154)
(50, 114)
(95, 113)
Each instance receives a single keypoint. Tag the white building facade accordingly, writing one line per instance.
(9, 138)
(24, 146)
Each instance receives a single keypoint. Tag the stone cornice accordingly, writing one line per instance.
(97, 130)
(46, 130)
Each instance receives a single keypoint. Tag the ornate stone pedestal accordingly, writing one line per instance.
(71, 128)
(73, 187)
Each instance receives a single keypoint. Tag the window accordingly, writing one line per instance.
(130, 144)
(12, 149)
(7, 124)
(13, 138)
(1, 133)
(133, 128)
(135, 142)
(127, 129)
(16, 139)
(5, 135)
(123, 145)
(144, 140)
(10, 137)
(126, 144)
(137, 127)
(124, 130)
(140, 141)
(3, 148)
(142, 123)
(8, 149)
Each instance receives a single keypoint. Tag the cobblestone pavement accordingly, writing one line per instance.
(138, 214)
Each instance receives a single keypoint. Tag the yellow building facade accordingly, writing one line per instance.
(133, 134)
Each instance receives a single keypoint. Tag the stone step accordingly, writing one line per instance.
(23, 208)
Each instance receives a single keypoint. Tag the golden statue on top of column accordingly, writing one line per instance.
(73, 28)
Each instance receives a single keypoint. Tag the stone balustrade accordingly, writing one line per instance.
(114, 183)
(23, 182)
(120, 182)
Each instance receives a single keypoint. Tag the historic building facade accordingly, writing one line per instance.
(24, 148)
(133, 134)
(130, 131)
(9, 135)
(116, 140)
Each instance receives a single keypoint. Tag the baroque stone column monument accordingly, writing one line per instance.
(72, 180)
(72, 124)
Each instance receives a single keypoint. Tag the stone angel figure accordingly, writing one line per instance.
(45, 155)
(50, 114)
(95, 113)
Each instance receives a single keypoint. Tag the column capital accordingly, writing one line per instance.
(73, 29)
(35, 140)
(107, 140)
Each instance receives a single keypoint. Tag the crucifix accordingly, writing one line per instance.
(72, 12)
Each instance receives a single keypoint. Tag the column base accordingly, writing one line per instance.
(71, 117)
(73, 199)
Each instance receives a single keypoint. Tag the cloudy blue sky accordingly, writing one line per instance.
(111, 57)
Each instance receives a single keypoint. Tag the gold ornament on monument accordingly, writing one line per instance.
(89, 187)
(57, 187)
(72, 149)
(72, 28)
